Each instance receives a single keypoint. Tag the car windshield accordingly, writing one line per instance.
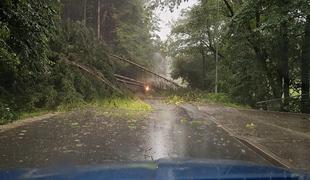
(96, 82)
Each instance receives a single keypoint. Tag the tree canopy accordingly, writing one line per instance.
(262, 50)
(37, 38)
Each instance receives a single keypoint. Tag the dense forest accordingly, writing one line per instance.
(39, 38)
(253, 50)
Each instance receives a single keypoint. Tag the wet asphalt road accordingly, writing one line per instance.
(88, 137)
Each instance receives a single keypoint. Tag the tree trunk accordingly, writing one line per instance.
(108, 23)
(85, 12)
(262, 56)
(284, 67)
(98, 19)
(305, 61)
(204, 68)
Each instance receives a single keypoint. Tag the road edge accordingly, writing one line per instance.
(269, 156)
(23, 122)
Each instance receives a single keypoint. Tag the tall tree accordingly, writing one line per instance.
(273, 36)
(305, 66)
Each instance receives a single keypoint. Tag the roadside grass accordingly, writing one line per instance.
(200, 97)
(127, 107)
(38, 112)
(10, 117)
(115, 103)
(131, 104)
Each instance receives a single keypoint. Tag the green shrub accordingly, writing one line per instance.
(218, 98)
(123, 103)
(7, 115)
(198, 96)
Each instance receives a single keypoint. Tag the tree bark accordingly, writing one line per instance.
(305, 61)
(204, 67)
(262, 56)
(229, 7)
(284, 67)
(98, 19)
(85, 12)
(108, 23)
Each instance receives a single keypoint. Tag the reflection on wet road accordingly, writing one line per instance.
(178, 132)
(91, 137)
(164, 131)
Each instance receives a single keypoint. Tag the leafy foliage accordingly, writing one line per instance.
(77, 43)
(38, 38)
(6, 114)
(198, 96)
(127, 103)
(259, 49)
(26, 27)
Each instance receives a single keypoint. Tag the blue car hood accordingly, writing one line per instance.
(161, 170)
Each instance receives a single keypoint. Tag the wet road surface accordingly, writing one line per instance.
(90, 137)
(284, 135)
